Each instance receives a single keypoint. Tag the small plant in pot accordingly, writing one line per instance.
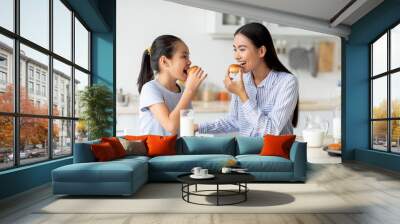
(96, 103)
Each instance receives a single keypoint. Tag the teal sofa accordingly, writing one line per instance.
(125, 176)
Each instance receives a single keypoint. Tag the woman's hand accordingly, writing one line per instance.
(194, 80)
(236, 86)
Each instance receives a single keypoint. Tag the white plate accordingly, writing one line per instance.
(208, 176)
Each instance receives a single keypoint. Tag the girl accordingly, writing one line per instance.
(265, 98)
(161, 99)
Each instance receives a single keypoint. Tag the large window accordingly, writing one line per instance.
(7, 14)
(34, 22)
(385, 91)
(44, 63)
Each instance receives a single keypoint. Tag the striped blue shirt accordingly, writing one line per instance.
(269, 109)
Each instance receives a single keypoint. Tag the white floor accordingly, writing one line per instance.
(377, 189)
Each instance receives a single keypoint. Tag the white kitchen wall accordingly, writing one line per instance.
(140, 22)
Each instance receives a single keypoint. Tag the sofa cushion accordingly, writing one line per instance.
(185, 163)
(161, 145)
(111, 171)
(136, 137)
(257, 163)
(93, 172)
(249, 145)
(103, 151)
(277, 145)
(131, 158)
(206, 145)
(116, 145)
(134, 147)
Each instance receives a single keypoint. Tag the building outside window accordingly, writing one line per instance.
(3, 61)
(38, 89)
(55, 94)
(3, 78)
(3, 81)
(44, 77)
(3, 72)
(30, 72)
(34, 79)
(37, 75)
(30, 87)
(43, 90)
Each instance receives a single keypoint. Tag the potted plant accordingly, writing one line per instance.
(81, 130)
(96, 103)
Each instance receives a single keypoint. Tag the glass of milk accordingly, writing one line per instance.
(187, 122)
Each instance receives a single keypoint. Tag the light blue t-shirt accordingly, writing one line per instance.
(152, 93)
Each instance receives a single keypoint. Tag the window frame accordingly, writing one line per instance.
(15, 72)
(388, 74)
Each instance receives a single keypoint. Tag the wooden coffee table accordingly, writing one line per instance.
(238, 179)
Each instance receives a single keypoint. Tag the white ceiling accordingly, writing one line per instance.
(315, 15)
(321, 9)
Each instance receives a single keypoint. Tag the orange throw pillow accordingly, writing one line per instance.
(116, 145)
(277, 145)
(161, 145)
(103, 152)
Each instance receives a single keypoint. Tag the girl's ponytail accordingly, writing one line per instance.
(146, 73)
(162, 46)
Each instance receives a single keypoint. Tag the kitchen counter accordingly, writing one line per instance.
(223, 106)
(198, 106)
(318, 105)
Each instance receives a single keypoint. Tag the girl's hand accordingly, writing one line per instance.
(236, 86)
(194, 80)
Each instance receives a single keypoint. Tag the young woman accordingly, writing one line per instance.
(161, 99)
(265, 97)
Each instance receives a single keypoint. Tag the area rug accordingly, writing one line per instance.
(167, 198)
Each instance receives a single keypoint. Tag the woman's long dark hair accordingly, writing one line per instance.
(260, 36)
(162, 45)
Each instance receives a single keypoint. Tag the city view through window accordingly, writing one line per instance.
(385, 92)
(48, 74)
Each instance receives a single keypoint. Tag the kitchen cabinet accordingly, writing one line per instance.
(223, 26)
